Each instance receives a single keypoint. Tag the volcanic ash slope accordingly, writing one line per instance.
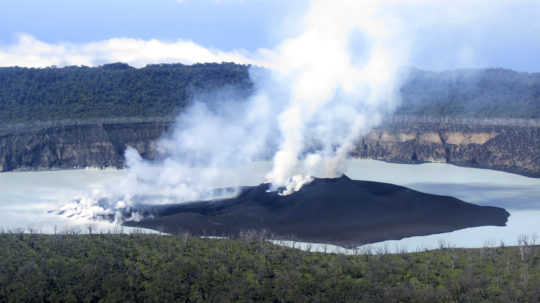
(338, 211)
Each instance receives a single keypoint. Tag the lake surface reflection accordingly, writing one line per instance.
(26, 198)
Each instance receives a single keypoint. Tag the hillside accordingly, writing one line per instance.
(153, 268)
(110, 91)
(118, 90)
(80, 116)
(482, 93)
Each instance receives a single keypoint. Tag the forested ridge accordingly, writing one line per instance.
(112, 90)
(155, 268)
(474, 93)
(164, 90)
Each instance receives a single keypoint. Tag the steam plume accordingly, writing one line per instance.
(329, 97)
(335, 96)
(309, 108)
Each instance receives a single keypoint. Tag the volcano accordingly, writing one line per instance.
(338, 211)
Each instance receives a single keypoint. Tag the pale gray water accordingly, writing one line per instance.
(25, 198)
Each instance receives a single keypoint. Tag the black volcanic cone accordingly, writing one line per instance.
(339, 211)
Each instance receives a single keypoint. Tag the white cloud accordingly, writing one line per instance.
(442, 35)
(31, 52)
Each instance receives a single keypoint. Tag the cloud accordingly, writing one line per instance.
(31, 52)
(443, 35)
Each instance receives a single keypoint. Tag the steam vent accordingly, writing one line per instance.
(338, 211)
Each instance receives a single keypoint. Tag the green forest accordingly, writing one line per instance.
(164, 90)
(481, 93)
(112, 90)
(139, 267)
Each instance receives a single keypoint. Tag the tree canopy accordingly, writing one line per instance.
(112, 90)
(154, 268)
(164, 90)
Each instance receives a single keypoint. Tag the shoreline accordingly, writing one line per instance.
(115, 168)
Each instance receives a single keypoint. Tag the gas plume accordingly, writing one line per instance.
(328, 96)
(310, 105)
(335, 95)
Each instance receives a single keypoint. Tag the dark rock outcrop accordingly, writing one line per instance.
(339, 211)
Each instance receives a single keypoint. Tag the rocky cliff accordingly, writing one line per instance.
(511, 145)
(483, 118)
(65, 144)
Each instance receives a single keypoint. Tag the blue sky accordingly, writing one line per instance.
(224, 24)
(490, 34)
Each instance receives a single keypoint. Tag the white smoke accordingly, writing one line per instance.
(31, 52)
(330, 97)
(210, 144)
(335, 95)
(308, 110)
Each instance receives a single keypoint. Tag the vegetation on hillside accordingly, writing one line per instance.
(154, 268)
(112, 90)
(484, 93)
(164, 90)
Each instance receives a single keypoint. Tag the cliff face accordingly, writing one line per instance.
(67, 145)
(511, 145)
(116, 90)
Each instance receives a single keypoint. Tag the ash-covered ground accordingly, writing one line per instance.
(338, 211)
